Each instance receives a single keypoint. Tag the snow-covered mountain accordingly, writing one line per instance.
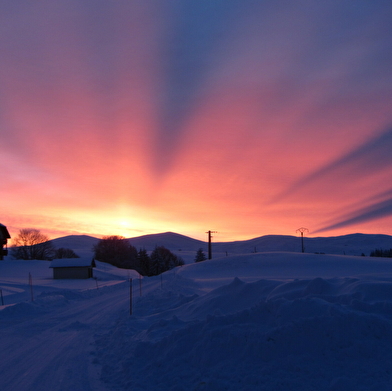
(354, 244)
(81, 244)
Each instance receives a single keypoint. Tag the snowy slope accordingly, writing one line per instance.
(81, 244)
(264, 321)
(170, 240)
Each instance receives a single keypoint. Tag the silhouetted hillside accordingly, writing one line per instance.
(170, 240)
(81, 244)
(354, 244)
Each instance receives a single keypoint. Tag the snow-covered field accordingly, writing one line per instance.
(265, 321)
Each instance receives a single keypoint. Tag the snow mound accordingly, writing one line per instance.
(273, 321)
(298, 335)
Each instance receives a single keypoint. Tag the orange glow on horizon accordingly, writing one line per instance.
(151, 118)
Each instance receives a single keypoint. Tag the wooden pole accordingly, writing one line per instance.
(31, 286)
(209, 243)
(302, 230)
(130, 296)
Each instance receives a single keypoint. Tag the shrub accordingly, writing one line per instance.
(65, 253)
(200, 256)
(117, 251)
(162, 259)
(379, 252)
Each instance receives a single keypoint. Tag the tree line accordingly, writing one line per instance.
(30, 243)
(379, 252)
(117, 251)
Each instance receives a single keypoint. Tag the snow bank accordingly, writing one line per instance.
(324, 334)
(284, 266)
(274, 321)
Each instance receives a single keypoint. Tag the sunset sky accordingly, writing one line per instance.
(246, 117)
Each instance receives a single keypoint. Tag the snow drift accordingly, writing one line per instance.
(266, 321)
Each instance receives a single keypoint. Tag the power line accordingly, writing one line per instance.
(209, 243)
(302, 230)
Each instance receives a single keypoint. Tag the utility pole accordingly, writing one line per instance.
(302, 230)
(209, 243)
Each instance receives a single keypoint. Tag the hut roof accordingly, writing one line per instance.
(72, 262)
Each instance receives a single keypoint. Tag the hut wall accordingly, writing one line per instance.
(72, 272)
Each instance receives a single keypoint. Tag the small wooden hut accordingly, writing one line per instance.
(72, 268)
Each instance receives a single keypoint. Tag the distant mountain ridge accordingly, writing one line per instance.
(352, 244)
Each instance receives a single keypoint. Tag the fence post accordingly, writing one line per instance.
(130, 296)
(31, 286)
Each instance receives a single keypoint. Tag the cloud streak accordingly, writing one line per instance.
(374, 211)
(370, 158)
